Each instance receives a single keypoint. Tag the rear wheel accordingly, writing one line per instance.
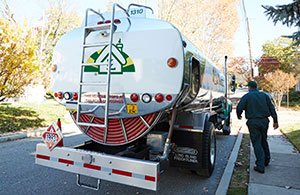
(208, 150)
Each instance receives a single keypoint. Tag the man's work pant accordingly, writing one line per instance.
(258, 129)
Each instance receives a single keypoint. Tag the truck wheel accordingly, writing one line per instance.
(226, 128)
(208, 150)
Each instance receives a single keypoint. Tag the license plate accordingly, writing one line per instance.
(132, 109)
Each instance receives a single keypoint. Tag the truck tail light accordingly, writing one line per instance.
(172, 62)
(54, 68)
(159, 98)
(117, 21)
(75, 96)
(60, 95)
(169, 97)
(67, 95)
(146, 98)
(134, 97)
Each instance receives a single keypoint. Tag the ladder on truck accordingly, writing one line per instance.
(86, 31)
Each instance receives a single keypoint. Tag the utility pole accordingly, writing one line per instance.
(249, 40)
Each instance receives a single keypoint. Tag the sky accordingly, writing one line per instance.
(261, 29)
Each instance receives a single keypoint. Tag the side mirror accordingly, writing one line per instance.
(232, 83)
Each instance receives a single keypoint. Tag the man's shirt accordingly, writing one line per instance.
(256, 105)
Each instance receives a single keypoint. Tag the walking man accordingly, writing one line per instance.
(258, 107)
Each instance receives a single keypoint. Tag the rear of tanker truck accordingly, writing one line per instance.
(146, 76)
(146, 79)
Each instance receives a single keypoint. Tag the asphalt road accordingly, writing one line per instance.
(20, 175)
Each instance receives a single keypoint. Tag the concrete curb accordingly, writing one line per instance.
(22, 134)
(226, 178)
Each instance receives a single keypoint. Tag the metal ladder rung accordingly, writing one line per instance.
(110, 29)
(94, 64)
(91, 104)
(91, 124)
(93, 84)
(95, 45)
(98, 27)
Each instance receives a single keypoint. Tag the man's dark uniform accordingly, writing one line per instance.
(258, 107)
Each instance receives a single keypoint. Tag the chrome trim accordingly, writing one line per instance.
(188, 130)
(87, 128)
(145, 122)
(123, 129)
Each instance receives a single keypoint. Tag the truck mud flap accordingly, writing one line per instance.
(133, 172)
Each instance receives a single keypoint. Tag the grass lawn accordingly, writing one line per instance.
(293, 133)
(20, 116)
(240, 178)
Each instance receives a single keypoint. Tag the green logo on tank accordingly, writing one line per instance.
(120, 63)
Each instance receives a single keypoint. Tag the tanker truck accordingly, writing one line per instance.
(144, 95)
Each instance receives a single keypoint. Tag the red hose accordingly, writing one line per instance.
(134, 128)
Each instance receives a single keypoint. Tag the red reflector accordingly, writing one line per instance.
(75, 96)
(172, 62)
(169, 97)
(149, 178)
(184, 43)
(119, 172)
(92, 166)
(65, 161)
(159, 98)
(101, 22)
(107, 22)
(43, 157)
(186, 127)
(134, 97)
(60, 95)
(55, 94)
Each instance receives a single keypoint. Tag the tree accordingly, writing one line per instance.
(286, 52)
(19, 65)
(6, 12)
(279, 83)
(209, 25)
(239, 67)
(266, 64)
(58, 21)
(288, 14)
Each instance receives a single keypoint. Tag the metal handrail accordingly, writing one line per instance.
(137, 5)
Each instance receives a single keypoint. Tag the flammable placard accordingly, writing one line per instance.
(52, 136)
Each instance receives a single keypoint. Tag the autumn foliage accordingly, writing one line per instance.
(279, 83)
(239, 67)
(209, 25)
(19, 65)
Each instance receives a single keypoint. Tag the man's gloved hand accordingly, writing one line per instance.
(275, 125)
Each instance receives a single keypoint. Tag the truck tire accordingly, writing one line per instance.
(208, 150)
(226, 128)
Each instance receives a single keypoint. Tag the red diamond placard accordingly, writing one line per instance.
(52, 136)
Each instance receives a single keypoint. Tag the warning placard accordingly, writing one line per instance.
(52, 136)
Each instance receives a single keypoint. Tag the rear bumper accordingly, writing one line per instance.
(133, 172)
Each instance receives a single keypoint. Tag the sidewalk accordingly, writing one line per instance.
(282, 176)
